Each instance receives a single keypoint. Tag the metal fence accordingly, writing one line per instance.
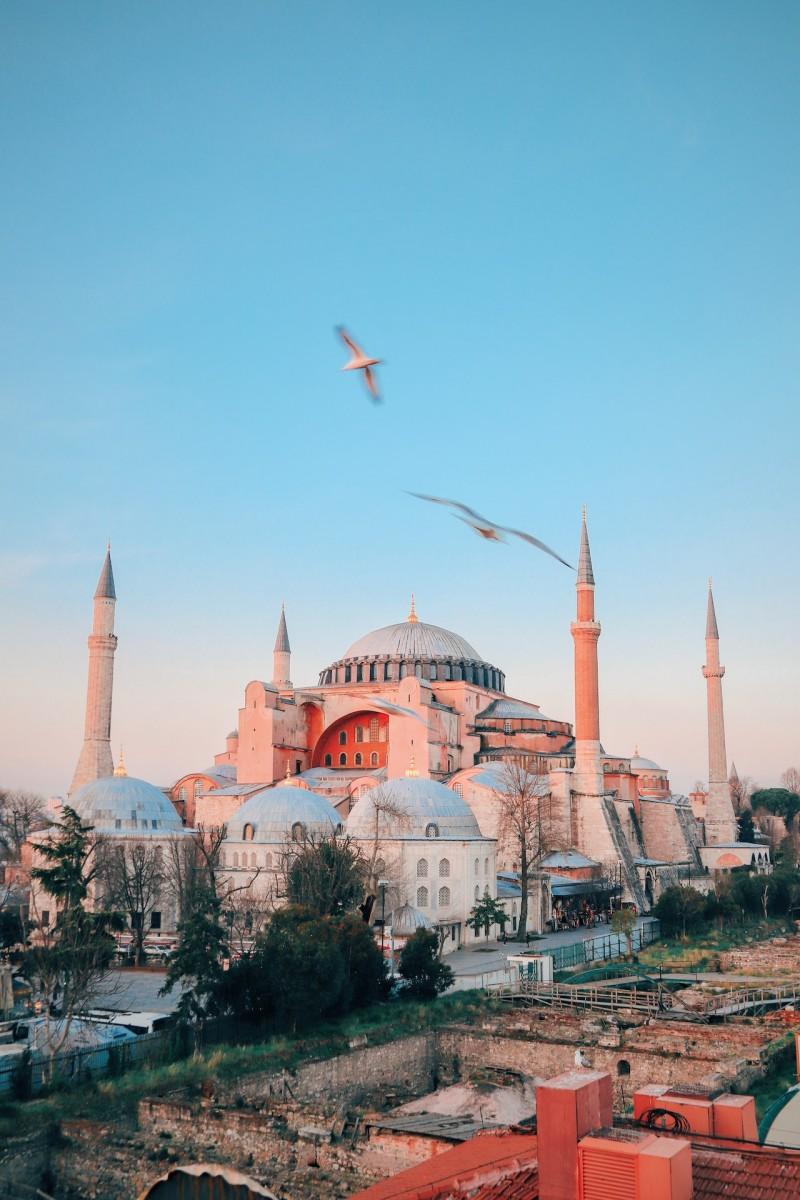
(607, 945)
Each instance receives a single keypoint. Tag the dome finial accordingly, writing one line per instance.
(411, 770)
(119, 769)
(636, 751)
(412, 618)
(288, 774)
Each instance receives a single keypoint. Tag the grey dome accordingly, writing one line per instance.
(407, 920)
(275, 810)
(126, 807)
(412, 639)
(644, 764)
(429, 810)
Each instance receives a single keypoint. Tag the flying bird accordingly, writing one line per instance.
(360, 362)
(490, 530)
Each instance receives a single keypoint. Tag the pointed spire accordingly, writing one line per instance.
(105, 584)
(120, 768)
(282, 640)
(585, 573)
(412, 617)
(734, 773)
(711, 616)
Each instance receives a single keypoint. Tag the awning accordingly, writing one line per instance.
(585, 887)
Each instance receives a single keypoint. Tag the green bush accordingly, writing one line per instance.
(424, 972)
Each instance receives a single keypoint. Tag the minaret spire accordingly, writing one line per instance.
(282, 656)
(95, 761)
(412, 617)
(720, 821)
(588, 775)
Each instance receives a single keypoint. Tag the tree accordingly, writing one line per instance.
(485, 913)
(20, 814)
(680, 910)
(71, 853)
(132, 877)
(326, 875)
(523, 823)
(303, 968)
(741, 789)
(365, 968)
(197, 961)
(746, 828)
(779, 801)
(623, 921)
(421, 967)
(790, 779)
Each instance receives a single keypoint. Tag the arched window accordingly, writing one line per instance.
(422, 897)
(373, 674)
(247, 833)
(432, 830)
(359, 733)
(373, 759)
(477, 866)
(328, 760)
(422, 868)
(623, 1067)
(357, 758)
(342, 760)
(198, 787)
(342, 737)
(374, 729)
(298, 831)
(182, 795)
(360, 673)
(506, 727)
(486, 866)
(444, 897)
(477, 892)
(444, 868)
(253, 862)
(235, 858)
(268, 861)
(222, 859)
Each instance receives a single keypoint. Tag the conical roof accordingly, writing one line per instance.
(105, 584)
(282, 639)
(711, 616)
(585, 572)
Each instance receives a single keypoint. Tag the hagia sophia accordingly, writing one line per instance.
(405, 742)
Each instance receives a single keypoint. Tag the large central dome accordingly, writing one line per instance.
(412, 647)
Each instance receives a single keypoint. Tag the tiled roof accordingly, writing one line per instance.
(745, 1176)
(522, 1185)
(460, 1171)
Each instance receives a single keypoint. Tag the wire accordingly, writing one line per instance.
(665, 1118)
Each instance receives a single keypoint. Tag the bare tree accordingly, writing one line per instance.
(247, 915)
(132, 878)
(741, 789)
(20, 814)
(524, 821)
(790, 779)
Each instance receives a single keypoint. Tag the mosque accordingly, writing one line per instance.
(405, 741)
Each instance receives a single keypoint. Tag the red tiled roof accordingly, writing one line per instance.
(485, 1159)
(729, 1175)
(522, 1185)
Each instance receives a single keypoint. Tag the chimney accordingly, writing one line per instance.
(632, 1167)
(568, 1107)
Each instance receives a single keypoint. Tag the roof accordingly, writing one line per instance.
(122, 805)
(522, 1185)
(567, 858)
(745, 1175)
(459, 1170)
(413, 639)
(407, 920)
(506, 890)
(443, 1126)
(273, 811)
(711, 616)
(585, 572)
(510, 710)
(105, 584)
(644, 764)
(282, 638)
(418, 804)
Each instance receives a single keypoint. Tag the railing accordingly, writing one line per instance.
(752, 998)
(604, 946)
(564, 995)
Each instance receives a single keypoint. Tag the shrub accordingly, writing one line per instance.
(421, 967)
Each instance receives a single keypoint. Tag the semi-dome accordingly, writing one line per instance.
(126, 807)
(280, 813)
(406, 920)
(415, 808)
(644, 764)
(412, 647)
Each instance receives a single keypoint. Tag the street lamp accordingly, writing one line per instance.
(383, 884)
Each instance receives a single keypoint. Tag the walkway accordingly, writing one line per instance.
(480, 958)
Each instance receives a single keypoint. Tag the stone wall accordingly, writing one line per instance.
(663, 832)
(778, 954)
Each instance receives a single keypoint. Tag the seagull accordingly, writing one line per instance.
(360, 362)
(490, 530)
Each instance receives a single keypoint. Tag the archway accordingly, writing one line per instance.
(205, 1181)
(359, 740)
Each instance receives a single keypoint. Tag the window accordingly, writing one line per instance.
(118, 823)
(342, 737)
(486, 866)
(359, 673)
(342, 760)
(347, 674)
(432, 830)
(623, 1067)
(422, 897)
(154, 824)
(458, 789)
(298, 766)
(253, 862)
(359, 733)
(235, 859)
(373, 675)
(444, 896)
(298, 831)
(422, 868)
(328, 760)
(198, 787)
(444, 868)
(247, 833)
(357, 758)
(45, 917)
(155, 920)
(477, 892)
(506, 727)
(477, 866)
(182, 795)
(268, 861)
(222, 859)
(374, 729)
(373, 759)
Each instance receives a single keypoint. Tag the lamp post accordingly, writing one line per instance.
(383, 884)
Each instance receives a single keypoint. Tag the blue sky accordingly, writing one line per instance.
(570, 230)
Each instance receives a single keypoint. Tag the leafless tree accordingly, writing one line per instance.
(790, 779)
(193, 867)
(132, 878)
(20, 814)
(741, 789)
(523, 801)
(389, 817)
(247, 915)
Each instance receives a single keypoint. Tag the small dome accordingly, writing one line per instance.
(412, 639)
(275, 811)
(425, 809)
(126, 807)
(644, 764)
(406, 920)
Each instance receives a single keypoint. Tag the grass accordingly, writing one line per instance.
(116, 1099)
(700, 951)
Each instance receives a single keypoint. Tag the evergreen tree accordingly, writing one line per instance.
(485, 913)
(421, 967)
(197, 962)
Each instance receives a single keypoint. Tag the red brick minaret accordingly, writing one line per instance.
(95, 761)
(720, 821)
(587, 775)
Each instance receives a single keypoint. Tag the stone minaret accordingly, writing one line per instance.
(587, 775)
(720, 820)
(95, 760)
(282, 656)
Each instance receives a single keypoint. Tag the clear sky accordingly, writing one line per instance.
(572, 232)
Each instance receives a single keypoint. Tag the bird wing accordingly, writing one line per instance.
(348, 341)
(369, 377)
(532, 541)
(477, 528)
(454, 504)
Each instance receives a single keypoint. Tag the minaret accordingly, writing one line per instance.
(281, 657)
(720, 820)
(587, 775)
(95, 760)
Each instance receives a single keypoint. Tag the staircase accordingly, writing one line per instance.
(624, 853)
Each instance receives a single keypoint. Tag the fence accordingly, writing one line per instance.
(607, 945)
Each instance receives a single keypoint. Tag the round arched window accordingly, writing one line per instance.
(432, 830)
(298, 832)
(247, 833)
